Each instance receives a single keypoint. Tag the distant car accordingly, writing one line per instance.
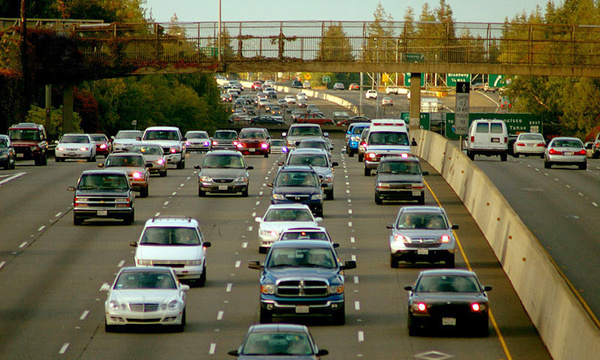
(595, 147)
(278, 341)
(387, 101)
(280, 217)
(154, 156)
(448, 299)
(565, 151)
(298, 184)
(197, 140)
(254, 141)
(305, 233)
(135, 166)
(301, 96)
(306, 85)
(529, 144)
(103, 194)
(320, 160)
(302, 103)
(299, 132)
(353, 137)
(422, 233)
(8, 156)
(399, 178)
(505, 103)
(316, 143)
(75, 146)
(290, 99)
(224, 140)
(103, 145)
(145, 296)
(278, 146)
(297, 84)
(175, 242)
(171, 140)
(338, 86)
(354, 86)
(256, 85)
(371, 94)
(30, 142)
(225, 172)
(267, 120)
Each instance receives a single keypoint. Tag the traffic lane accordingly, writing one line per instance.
(522, 339)
(565, 223)
(52, 295)
(32, 202)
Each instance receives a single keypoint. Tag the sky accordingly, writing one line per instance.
(333, 10)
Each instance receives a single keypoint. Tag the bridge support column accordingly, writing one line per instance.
(415, 101)
(67, 109)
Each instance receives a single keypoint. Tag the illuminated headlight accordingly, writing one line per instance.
(284, 149)
(144, 262)
(60, 148)
(271, 233)
(174, 305)
(103, 146)
(83, 148)
(372, 156)
(381, 185)
(160, 161)
(241, 179)
(114, 306)
(278, 197)
(240, 145)
(445, 239)
(401, 238)
(193, 262)
(316, 197)
(336, 289)
(121, 200)
(205, 179)
(137, 175)
(264, 146)
(267, 289)
(207, 143)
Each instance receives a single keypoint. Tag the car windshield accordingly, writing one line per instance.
(302, 257)
(225, 135)
(319, 160)
(106, 182)
(358, 130)
(313, 145)
(161, 135)
(127, 161)
(29, 134)
(288, 215)
(422, 221)
(145, 280)
(388, 138)
(170, 236)
(567, 143)
(304, 235)
(196, 136)
(252, 135)
(98, 137)
(305, 131)
(447, 283)
(277, 343)
(128, 135)
(297, 178)
(147, 149)
(399, 167)
(223, 161)
(74, 139)
(3, 143)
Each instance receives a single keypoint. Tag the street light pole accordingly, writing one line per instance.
(219, 34)
(24, 61)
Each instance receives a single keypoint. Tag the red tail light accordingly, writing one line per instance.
(541, 145)
(476, 307)
(554, 152)
(472, 138)
(520, 144)
(506, 140)
(581, 152)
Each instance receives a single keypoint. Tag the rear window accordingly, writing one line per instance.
(482, 128)
(225, 135)
(496, 128)
(388, 138)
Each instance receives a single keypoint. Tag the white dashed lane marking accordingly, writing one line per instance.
(361, 336)
(213, 348)
(228, 288)
(64, 348)
(220, 315)
(84, 315)
(23, 244)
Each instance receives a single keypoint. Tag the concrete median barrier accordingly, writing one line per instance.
(567, 327)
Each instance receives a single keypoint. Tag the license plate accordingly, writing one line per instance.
(252, 150)
(448, 321)
(423, 251)
(416, 193)
(20, 155)
(222, 187)
(71, 154)
(302, 309)
(102, 212)
(495, 140)
(568, 153)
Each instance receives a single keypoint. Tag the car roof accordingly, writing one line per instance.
(304, 125)
(297, 168)
(316, 140)
(224, 152)
(167, 128)
(103, 172)
(216, 131)
(121, 154)
(278, 328)
(171, 221)
(422, 209)
(441, 272)
(288, 206)
(302, 243)
(309, 151)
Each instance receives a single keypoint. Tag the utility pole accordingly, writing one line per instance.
(24, 62)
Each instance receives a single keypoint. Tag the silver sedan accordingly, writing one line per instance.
(565, 151)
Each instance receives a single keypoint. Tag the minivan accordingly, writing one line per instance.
(487, 137)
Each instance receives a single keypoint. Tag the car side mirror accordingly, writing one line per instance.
(454, 227)
(233, 353)
(105, 287)
(183, 139)
(408, 288)
(350, 264)
(71, 188)
(206, 244)
(270, 184)
(322, 352)
(335, 245)
(197, 167)
(250, 167)
(334, 164)
(185, 287)
(112, 137)
(389, 226)
(487, 288)
(255, 265)
(280, 163)
(133, 244)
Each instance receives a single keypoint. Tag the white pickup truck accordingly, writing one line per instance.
(171, 140)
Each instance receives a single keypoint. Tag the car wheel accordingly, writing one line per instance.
(350, 153)
(596, 155)
(319, 212)
(163, 173)
(413, 329)
(144, 192)
(470, 155)
(339, 316)
(361, 157)
(265, 316)
(77, 220)
(7, 165)
(450, 261)
(262, 250)
(245, 193)
(329, 195)
(180, 327)
(181, 164)
(367, 172)
(201, 193)
(266, 155)
(503, 157)
(516, 155)
(394, 263)
(547, 164)
(583, 166)
(421, 200)
(378, 200)
(202, 280)
(57, 159)
(130, 219)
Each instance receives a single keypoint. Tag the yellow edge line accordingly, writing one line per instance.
(462, 251)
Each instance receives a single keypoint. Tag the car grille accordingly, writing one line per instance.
(99, 202)
(424, 243)
(143, 307)
(143, 321)
(222, 181)
(297, 198)
(302, 288)
(449, 310)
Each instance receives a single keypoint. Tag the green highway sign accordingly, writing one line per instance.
(408, 57)
(495, 80)
(516, 123)
(327, 79)
(407, 80)
(452, 79)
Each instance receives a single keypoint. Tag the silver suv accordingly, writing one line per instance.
(175, 242)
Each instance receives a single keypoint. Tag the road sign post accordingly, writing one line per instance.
(461, 113)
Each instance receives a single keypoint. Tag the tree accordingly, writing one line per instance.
(380, 44)
(335, 45)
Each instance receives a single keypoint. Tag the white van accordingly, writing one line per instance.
(386, 137)
(487, 137)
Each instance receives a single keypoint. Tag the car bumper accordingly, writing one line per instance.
(567, 160)
(91, 213)
(463, 321)
(422, 254)
(400, 194)
(369, 164)
(72, 155)
(183, 272)
(301, 307)
(223, 188)
(173, 158)
(526, 150)
(144, 318)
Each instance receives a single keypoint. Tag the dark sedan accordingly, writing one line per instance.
(448, 299)
(298, 184)
(267, 120)
(223, 171)
(7, 153)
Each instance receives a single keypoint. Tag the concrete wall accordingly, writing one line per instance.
(563, 323)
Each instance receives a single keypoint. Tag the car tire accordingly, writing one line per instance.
(503, 157)
(144, 192)
(596, 155)
(547, 164)
(367, 171)
(245, 193)
(181, 164)
(470, 155)
(57, 159)
(421, 200)
(583, 166)
(180, 327)
(361, 157)
(266, 155)
(262, 250)
(339, 316)
(394, 263)
(201, 193)
(319, 212)
(77, 220)
(413, 329)
(378, 200)
(350, 153)
(163, 173)
(129, 219)
(265, 316)
(516, 155)
(329, 195)
(450, 261)
(202, 281)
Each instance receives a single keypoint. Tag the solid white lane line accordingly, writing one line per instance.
(23, 244)
(64, 348)
(253, 215)
(257, 203)
(238, 263)
(121, 263)
(58, 214)
(84, 315)
(357, 305)
(220, 315)
(181, 185)
(361, 336)
(229, 286)
(12, 177)
(41, 228)
(580, 194)
(157, 214)
(213, 348)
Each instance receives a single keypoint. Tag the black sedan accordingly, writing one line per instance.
(448, 299)
(267, 120)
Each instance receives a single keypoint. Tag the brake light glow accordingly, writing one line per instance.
(83, 148)
(554, 152)
(103, 146)
(420, 307)
(445, 239)
(520, 144)
(240, 146)
(476, 307)
(264, 146)
(541, 145)
(580, 152)
(371, 155)
(472, 138)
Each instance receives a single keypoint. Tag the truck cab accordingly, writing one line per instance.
(386, 137)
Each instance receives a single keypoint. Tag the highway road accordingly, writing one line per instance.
(51, 272)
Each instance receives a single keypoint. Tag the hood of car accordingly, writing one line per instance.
(280, 273)
(223, 172)
(164, 143)
(279, 226)
(144, 295)
(165, 252)
(408, 178)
